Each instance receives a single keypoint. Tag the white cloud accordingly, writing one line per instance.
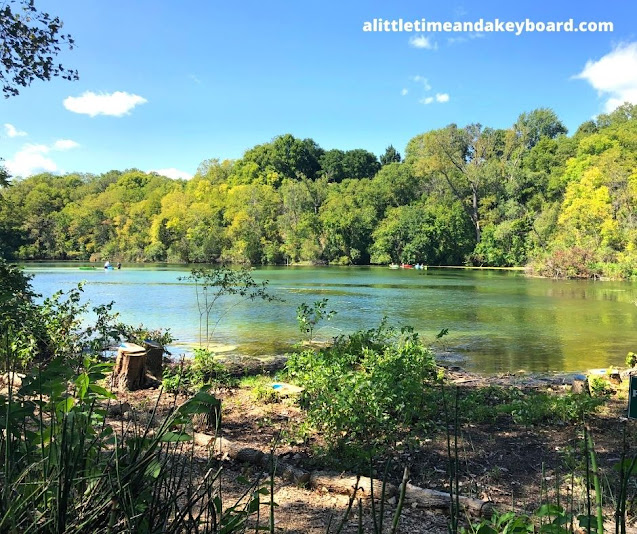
(614, 75)
(115, 104)
(65, 144)
(404, 92)
(422, 41)
(427, 100)
(173, 173)
(422, 80)
(12, 131)
(32, 159)
(442, 97)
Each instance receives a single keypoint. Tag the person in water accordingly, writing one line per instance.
(107, 264)
(119, 265)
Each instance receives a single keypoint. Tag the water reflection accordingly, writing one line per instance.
(497, 321)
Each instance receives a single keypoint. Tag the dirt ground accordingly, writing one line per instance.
(500, 462)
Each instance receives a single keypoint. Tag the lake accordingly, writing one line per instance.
(498, 321)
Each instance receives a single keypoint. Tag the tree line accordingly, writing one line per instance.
(527, 195)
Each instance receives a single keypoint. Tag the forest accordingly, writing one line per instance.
(530, 195)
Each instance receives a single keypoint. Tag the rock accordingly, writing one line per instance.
(14, 379)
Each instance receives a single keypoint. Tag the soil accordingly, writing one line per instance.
(500, 462)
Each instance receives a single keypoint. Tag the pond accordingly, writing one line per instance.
(498, 321)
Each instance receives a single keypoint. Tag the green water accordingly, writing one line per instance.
(497, 320)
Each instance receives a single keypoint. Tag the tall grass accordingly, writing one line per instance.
(66, 469)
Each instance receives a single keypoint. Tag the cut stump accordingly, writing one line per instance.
(154, 359)
(130, 367)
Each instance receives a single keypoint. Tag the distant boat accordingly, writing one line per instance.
(87, 268)
(406, 266)
(394, 266)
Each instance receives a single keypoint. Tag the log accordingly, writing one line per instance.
(343, 484)
(428, 498)
(337, 483)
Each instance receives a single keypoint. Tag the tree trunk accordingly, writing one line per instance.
(475, 216)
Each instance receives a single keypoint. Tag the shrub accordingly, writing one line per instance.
(574, 262)
(366, 386)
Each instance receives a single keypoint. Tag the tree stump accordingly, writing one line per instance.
(154, 359)
(581, 385)
(130, 367)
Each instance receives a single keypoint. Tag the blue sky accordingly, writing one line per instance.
(172, 84)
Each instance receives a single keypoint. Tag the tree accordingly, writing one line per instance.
(360, 163)
(30, 41)
(391, 155)
(4, 176)
(286, 156)
(463, 160)
(542, 122)
(332, 165)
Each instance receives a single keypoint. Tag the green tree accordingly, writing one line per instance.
(464, 161)
(359, 163)
(534, 125)
(391, 155)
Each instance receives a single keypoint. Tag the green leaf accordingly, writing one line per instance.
(102, 391)
(65, 405)
(153, 469)
(173, 437)
(82, 383)
(549, 509)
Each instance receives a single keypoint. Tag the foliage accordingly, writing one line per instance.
(64, 467)
(139, 334)
(572, 262)
(67, 470)
(39, 333)
(261, 389)
(309, 316)
(366, 386)
(471, 194)
(488, 404)
(391, 155)
(31, 39)
(204, 369)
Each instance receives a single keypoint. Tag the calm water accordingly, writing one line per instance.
(497, 321)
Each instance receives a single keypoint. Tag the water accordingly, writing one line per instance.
(498, 320)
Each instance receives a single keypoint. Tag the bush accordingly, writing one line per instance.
(366, 386)
(574, 262)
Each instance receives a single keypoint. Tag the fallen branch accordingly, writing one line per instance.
(341, 484)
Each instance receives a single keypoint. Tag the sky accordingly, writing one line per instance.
(164, 86)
